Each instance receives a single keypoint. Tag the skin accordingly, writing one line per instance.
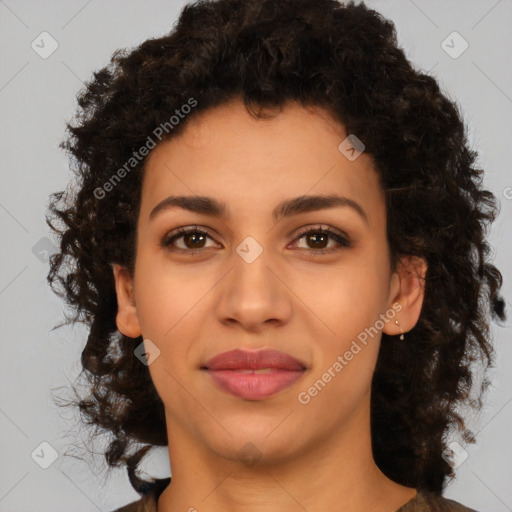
(312, 457)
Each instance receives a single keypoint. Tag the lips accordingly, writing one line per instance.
(245, 360)
(254, 375)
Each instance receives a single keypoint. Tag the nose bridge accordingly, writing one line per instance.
(252, 278)
(252, 262)
(252, 294)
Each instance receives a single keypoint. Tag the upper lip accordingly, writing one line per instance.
(254, 360)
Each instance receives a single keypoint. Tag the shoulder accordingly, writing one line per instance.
(142, 505)
(423, 502)
(149, 501)
(429, 502)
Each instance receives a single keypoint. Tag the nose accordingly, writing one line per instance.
(254, 294)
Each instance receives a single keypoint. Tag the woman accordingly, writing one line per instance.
(278, 242)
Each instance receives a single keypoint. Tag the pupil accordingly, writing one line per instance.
(315, 236)
(194, 235)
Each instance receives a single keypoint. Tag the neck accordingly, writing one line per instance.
(336, 473)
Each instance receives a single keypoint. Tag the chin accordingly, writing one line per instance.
(263, 440)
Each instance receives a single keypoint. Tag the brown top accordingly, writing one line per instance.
(422, 502)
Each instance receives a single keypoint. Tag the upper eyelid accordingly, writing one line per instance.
(321, 227)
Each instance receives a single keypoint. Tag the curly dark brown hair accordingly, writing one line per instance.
(344, 58)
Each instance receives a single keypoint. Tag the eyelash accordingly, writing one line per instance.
(339, 237)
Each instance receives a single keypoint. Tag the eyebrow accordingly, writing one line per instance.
(302, 204)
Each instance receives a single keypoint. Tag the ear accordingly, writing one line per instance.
(407, 289)
(127, 320)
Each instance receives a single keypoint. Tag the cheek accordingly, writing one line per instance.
(349, 299)
(167, 293)
(345, 353)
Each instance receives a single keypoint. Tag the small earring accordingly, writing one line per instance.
(401, 333)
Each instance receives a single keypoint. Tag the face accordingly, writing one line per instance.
(251, 279)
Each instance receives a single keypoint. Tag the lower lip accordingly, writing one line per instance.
(254, 386)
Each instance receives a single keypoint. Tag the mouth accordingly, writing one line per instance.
(254, 375)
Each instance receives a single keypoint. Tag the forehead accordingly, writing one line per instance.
(256, 163)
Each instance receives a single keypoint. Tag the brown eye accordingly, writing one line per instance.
(317, 239)
(193, 239)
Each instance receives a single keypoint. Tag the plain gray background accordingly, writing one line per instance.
(37, 96)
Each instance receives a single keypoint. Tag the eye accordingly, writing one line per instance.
(319, 236)
(193, 239)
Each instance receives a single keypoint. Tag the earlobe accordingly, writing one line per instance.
(409, 293)
(127, 319)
